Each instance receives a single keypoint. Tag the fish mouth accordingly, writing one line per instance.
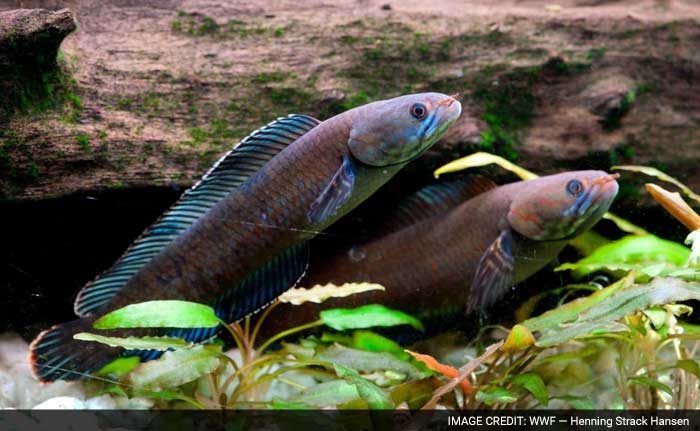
(605, 189)
(453, 109)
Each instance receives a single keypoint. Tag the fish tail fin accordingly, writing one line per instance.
(55, 355)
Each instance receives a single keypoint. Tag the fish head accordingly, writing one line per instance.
(562, 206)
(397, 130)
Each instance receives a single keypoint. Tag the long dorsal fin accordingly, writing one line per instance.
(249, 296)
(229, 172)
(436, 199)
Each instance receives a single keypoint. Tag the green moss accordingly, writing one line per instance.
(614, 116)
(83, 141)
(595, 54)
(276, 76)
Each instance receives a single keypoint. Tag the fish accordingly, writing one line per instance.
(240, 236)
(454, 249)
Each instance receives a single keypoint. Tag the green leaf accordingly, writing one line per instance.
(170, 396)
(603, 315)
(119, 367)
(491, 395)
(372, 342)
(320, 293)
(374, 395)
(176, 368)
(693, 239)
(580, 403)
(649, 382)
(533, 383)
(572, 310)
(519, 338)
(653, 172)
(414, 393)
(690, 366)
(483, 159)
(140, 343)
(327, 394)
(159, 314)
(367, 316)
(631, 252)
(367, 362)
(287, 405)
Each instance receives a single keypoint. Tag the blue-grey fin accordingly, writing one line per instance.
(229, 172)
(435, 199)
(336, 193)
(494, 275)
(252, 294)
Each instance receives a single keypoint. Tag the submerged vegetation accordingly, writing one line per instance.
(625, 345)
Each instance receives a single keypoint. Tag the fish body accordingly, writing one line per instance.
(464, 258)
(238, 238)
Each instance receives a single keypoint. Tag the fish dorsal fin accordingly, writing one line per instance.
(436, 199)
(249, 296)
(229, 172)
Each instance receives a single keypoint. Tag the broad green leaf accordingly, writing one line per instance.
(372, 342)
(579, 403)
(320, 293)
(588, 242)
(327, 394)
(568, 356)
(367, 316)
(374, 395)
(367, 362)
(690, 366)
(533, 383)
(176, 368)
(414, 393)
(601, 317)
(653, 172)
(119, 367)
(482, 159)
(138, 343)
(519, 338)
(632, 252)
(649, 382)
(159, 314)
(287, 405)
(491, 395)
(571, 310)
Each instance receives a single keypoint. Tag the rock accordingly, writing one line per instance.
(610, 98)
(31, 37)
(29, 43)
(61, 403)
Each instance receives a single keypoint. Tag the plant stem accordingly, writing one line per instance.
(286, 333)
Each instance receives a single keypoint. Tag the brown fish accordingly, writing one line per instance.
(237, 239)
(460, 246)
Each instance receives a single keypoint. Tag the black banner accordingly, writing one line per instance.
(307, 420)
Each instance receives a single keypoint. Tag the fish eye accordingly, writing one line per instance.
(574, 188)
(418, 111)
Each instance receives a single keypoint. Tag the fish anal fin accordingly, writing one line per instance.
(228, 173)
(254, 293)
(494, 275)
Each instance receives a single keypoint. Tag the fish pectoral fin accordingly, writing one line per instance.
(336, 194)
(494, 275)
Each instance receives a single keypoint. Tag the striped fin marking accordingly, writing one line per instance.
(251, 295)
(494, 275)
(229, 172)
